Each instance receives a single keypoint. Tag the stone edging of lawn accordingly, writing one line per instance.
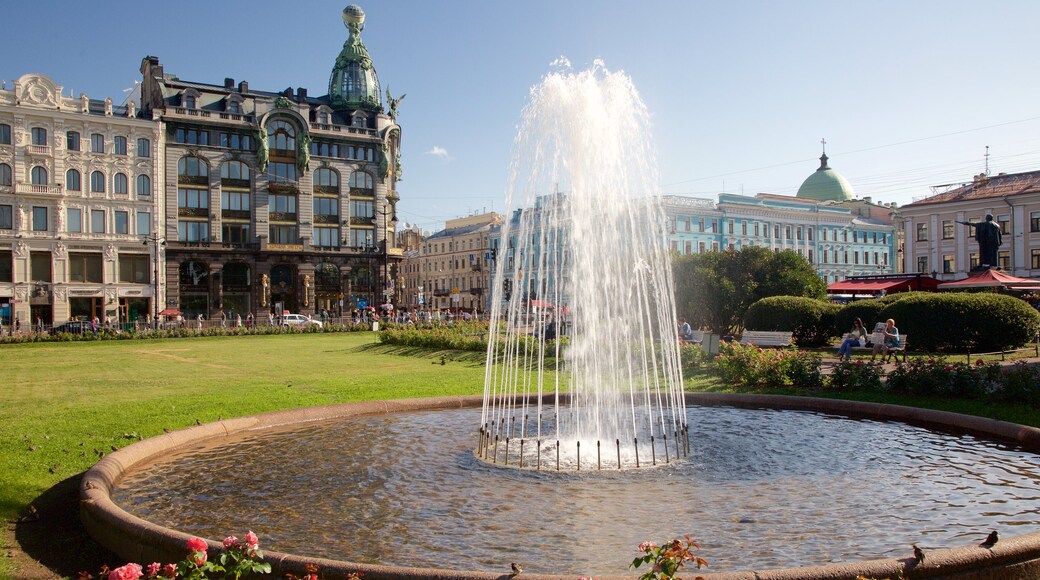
(140, 541)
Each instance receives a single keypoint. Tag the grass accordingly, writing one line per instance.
(67, 402)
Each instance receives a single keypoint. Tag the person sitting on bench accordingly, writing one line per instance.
(890, 341)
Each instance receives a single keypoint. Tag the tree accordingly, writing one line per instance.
(715, 289)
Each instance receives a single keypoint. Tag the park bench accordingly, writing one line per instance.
(894, 351)
(696, 337)
(766, 338)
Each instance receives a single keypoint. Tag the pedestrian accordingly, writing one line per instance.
(249, 320)
(223, 319)
(238, 321)
(17, 325)
(39, 324)
(270, 319)
(199, 319)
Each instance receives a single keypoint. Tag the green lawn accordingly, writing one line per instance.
(64, 402)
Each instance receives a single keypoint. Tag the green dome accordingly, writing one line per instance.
(354, 83)
(826, 184)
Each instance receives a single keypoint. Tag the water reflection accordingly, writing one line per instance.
(762, 488)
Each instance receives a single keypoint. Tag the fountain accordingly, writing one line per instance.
(583, 353)
(584, 258)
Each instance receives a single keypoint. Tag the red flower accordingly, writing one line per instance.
(197, 545)
(980, 362)
(130, 571)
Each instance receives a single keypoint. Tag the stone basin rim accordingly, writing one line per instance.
(138, 540)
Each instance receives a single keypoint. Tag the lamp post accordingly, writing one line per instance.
(157, 242)
(387, 213)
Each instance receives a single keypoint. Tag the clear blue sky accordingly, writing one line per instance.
(907, 94)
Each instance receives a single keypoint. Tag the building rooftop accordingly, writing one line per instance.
(826, 184)
(984, 186)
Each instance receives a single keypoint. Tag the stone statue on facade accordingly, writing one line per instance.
(303, 153)
(262, 153)
(384, 160)
(989, 237)
(392, 104)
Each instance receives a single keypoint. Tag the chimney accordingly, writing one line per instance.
(301, 93)
(243, 87)
(867, 199)
(229, 83)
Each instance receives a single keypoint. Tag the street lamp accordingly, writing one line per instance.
(387, 280)
(157, 241)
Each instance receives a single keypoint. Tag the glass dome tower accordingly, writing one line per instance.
(354, 83)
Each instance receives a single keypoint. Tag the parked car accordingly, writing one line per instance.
(72, 327)
(299, 320)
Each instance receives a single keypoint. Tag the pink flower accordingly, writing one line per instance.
(130, 571)
(199, 558)
(948, 368)
(252, 542)
(647, 546)
(153, 569)
(169, 571)
(230, 542)
(197, 545)
(980, 362)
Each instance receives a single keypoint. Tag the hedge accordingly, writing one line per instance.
(811, 321)
(957, 322)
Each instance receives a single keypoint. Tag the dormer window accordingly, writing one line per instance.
(359, 121)
(189, 102)
(323, 118)
(234, 108)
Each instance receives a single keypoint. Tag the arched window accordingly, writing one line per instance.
(39, 175)
(326, 177)
(361, 180)
(235, 170)
(120, 184)
(97, 182)
(234, 107)
(281, 138)
(144, 148)
(192, 167)
(189, 101)
(144, 186)
(323, 118)
(72, 180)
(326, 277)
(5, 174)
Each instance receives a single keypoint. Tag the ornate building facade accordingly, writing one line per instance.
(278, 201)
(80, 181)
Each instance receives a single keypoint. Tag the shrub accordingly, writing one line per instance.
(751, 367)
(856, 376)
(811, 321)
(958, 322)
(934, 377)
(1020, 384)
(692, 358)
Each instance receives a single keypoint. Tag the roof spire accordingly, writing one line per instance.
(823, 158)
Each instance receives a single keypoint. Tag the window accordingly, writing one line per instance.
(360, 180)
(119, 145)
(776, 232)
(811, 256)
(236, 171)
(144, 148)
(362, 209)
(743, 228)
(72, 141)
(922, 233)
(192, 167)
(235, 200)
(39, 219)
(97, 143)
(192, 231)
(6, 267)
(1004, 260)
(282, 203)
(39, 175)
(809, 234)
(133, 268)
(144, 186)
(1034, 221)
(39, 136)
(6, 217)
(189, 101)
(122, 222)
(97, 221)
(5, 174)
(948, 264)
(191, 136)
(729, 228)
(144, 223)
(327, 206)
(235, 233)
(323, 118)
(234, 107)
(947, 229)
(845, 235)
(701, 248)
(1003, 221)
(40, 266)
(236, 141)
(5, 134)
(1034, 260)
(281, 138)
(74, 220)
(281, 234)
(326, 237)
(922, 264)
(326, 177)
(84, 267)
(281, 172)
(361, 238)
(72, 180)
(787, 232)
(323, 149)
(97, 182)
(855, 258)
(973, 260)
(193, 198)
(119, 184)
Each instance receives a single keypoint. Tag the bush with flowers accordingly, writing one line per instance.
(857, 375)
(238, 559)
(752, 367)
(667, 560)
(935, 377)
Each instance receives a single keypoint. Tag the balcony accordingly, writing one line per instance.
(38, 149)
(229, 182)
(234, 214)
(282, 187)
(282, 216)
(362, 192)
(193, 180)
(285, 247)
(190, 112)
(326, 219)
(362, 221)
(33, 189)
(326, 189)
(193, 212)
(329, 128)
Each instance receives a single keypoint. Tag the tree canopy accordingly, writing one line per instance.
(714, 290)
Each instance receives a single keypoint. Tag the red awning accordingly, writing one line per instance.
(991, 279)
(876, 285)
